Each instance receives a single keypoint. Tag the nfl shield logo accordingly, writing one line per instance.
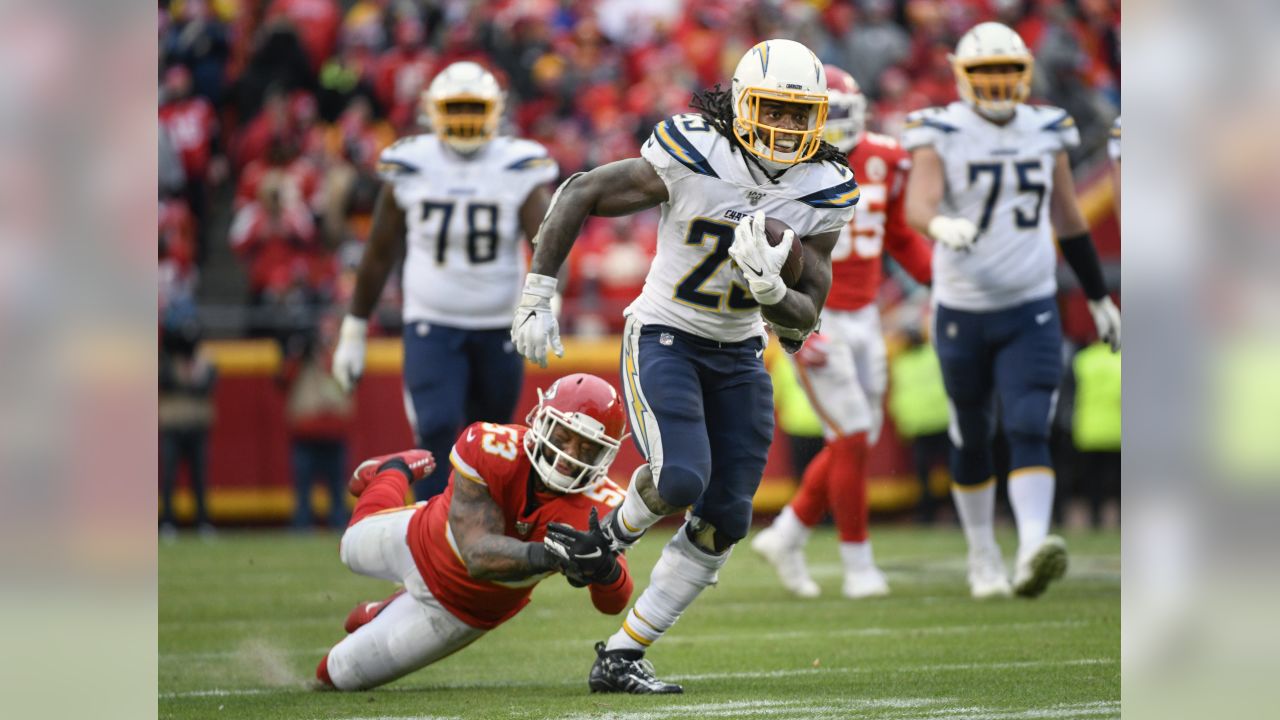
(523, 528)
(666, 339)
(754, 197)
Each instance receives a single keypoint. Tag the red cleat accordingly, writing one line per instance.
(362, 613)
(420, 463)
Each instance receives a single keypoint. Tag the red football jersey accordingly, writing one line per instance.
(493, 455)
(881, 167)
(191, 124)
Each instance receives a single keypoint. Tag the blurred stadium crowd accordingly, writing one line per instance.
(272, 114)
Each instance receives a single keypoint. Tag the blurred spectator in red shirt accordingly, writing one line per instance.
(897, 98)
(298, 175)
(192, 127)
(316, 22)
(274, 236)
(177, 240)
(403, 73)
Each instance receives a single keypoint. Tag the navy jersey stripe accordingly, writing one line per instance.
(679, 147)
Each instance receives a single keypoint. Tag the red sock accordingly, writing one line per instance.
(322, 671)
(387, 490)
(810, 501)
(847, 487)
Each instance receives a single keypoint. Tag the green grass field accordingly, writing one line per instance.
(244, 619)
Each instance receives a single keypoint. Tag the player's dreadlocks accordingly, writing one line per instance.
(716, 105)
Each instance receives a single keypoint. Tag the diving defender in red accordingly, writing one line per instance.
(469, 558)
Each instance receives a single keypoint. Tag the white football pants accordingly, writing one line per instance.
(847, 392)
(412, 632)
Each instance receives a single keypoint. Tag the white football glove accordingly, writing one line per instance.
(348, 357)
(761, 264)
(953, 232)
(534, 326)
(1106, 318)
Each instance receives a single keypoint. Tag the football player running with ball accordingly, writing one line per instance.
(470, 557)
(992, 185)
(453, 205)
(699, 398)
(844, 371)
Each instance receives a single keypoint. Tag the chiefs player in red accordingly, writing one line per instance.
(843, 370)
(469, 558)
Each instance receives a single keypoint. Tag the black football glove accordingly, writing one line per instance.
(586, 557)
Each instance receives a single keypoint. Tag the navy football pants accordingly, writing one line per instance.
(452, 378)
(1014, 355)
(702, 415)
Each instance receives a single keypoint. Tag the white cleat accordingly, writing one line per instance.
(865, 584)
(788, 561)
(987, 578)
(1048, 563)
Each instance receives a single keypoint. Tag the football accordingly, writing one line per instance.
(773, 230)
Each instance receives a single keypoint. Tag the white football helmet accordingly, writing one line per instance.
(993, 92)
(463, 104)
(847, 114)
(784, 71)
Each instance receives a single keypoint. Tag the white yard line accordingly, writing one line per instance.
(747, 675)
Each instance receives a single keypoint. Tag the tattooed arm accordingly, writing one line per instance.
(802, 305)
(619, 188)
(477, 525)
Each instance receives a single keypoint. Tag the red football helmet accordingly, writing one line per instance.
(846, 109)
(579, 405)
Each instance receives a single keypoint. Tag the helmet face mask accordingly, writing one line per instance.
(464, 106)
(574, 433)
(779, 103)
(995, 88)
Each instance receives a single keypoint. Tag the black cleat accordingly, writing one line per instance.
(626, 671)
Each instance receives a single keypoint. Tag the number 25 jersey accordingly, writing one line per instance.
(692, 285)
(463, 263)
(1001, 178)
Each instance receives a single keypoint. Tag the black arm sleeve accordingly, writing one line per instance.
(1083, 259)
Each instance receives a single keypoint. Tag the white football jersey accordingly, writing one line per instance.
(1001, 178)
(463, 263)
(691, 284)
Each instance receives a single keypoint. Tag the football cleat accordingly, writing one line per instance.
(626, 671)
(419, 462)
(866, 583)
(362, 613)
(987, 578)
(1049, 562)
(787, 560)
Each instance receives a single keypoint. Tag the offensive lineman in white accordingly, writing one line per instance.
(700, 400)
(984, 169)
(453, 205)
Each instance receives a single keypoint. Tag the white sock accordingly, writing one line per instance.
(636, 517)
(679, 576)
(1031, 496)
(790, 529)
(857, 556)
(976, 505)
